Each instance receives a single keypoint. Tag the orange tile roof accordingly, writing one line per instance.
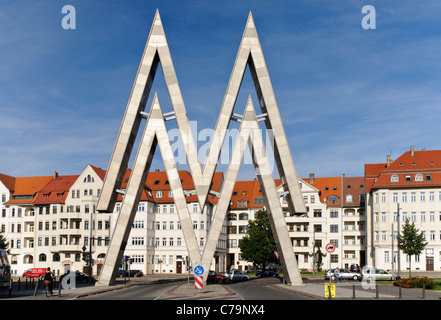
(28, 187)
(328, 186)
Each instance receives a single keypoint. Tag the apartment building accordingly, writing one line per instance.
(335, 214)
(406, 188)
(51, 221)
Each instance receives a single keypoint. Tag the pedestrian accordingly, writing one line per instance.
(336, 274)
(49, 279)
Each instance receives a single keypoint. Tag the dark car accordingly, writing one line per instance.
(267, 273)
(133, 273)
(354, 268)
(80, 277)
(214, 277)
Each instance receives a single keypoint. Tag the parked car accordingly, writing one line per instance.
(354, 268)
(214, 277)
(133, 273)
(34, 273)
(373, 274)
(268, 273)
(235, 275)
(343, 273)
(80, 277)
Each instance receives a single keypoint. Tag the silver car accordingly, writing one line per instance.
(343, 274)
(373, 274)
(237, 275)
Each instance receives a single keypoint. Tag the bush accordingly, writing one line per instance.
(415, 282)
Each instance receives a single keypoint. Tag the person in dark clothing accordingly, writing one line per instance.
(49, 279)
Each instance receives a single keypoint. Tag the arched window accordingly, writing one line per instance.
(332, 199)
(394, 178)
(349, 198)
(232, 216)
(56, 257)
(89, 178)
(42, 257)
(418, 177)
(243, 216)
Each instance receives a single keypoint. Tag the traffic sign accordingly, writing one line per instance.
(329, 290)
(330, 247)
(199, 270)
(198, 284)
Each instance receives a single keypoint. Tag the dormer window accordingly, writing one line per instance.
(394, 178)
(418, 177)
(159, 194)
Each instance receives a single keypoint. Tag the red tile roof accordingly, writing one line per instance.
(8, 181)
(56, 190)
(410, 163)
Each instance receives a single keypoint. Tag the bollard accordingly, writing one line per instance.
(376, 291)
(329, 291)
(424, 291)
(36, 287)
(400, 295)
(18, 284)
(353, 291)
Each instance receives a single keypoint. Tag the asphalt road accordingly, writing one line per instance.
(256, 289)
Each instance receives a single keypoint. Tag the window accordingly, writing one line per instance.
(349, 198)
(419, 177)
(334, 228)
(394, 178)
(422, 196)
(258, 200)
(428, 177)
(317, 213)
(395, 197)
(383, 197)
(334, 213)
(404, 197)
(156, 182)
(243, 216)
(242, 203)
(332, 199)
(159, 194)
(408, 178)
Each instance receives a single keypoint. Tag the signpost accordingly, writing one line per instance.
(330, 287)
(198, 271)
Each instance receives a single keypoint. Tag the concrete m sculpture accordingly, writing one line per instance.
(155, 133)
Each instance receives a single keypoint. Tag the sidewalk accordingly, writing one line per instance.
(354, 290)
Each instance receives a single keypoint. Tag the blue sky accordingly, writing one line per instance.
(348, 96)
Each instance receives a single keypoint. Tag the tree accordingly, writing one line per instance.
(4, 244)
(319, 260)
(411, 241)
(258, 245)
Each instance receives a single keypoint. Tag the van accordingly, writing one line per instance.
(34, 273)
(5, 272)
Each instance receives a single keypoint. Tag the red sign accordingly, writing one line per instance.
(330, 247)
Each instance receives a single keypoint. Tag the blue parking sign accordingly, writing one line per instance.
(199, 270)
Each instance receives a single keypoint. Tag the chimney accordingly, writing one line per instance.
(55, 174)
(388, 161)
(412, 151)
(311, 178)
